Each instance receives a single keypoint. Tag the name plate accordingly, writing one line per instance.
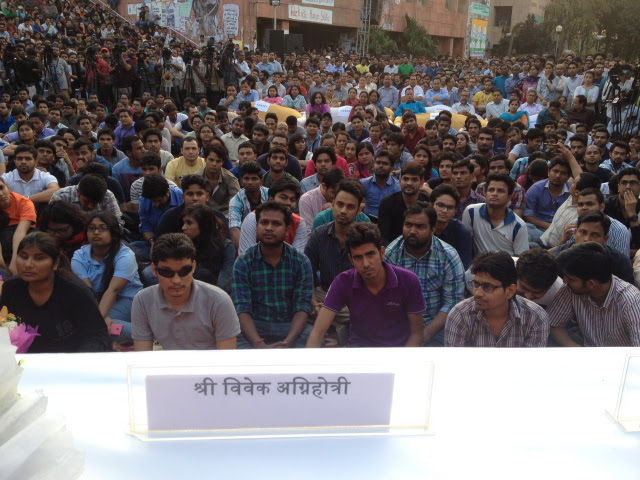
(262, 106)
(252, 401)
(344, 112)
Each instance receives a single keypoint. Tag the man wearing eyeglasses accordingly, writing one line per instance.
(445, 199)
(624, 207)
(181, 313)
(496, 316)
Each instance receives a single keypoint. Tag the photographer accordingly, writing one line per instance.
(177, 69)
(27, 71)
(60, 72)
(124, 70)
(145, 73)
(102, 71)
(200, 79)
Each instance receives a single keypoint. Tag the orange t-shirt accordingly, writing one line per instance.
(21, 208)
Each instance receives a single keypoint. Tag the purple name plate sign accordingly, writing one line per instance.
(222, 402)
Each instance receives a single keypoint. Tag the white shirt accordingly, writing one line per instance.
(496, 109)
(249, 231)
(38, 183)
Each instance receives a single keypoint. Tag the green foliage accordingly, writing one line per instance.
(582, 20)
(530, 37)
(380, 43)
(416, 41)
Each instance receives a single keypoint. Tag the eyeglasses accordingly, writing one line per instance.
(58, 231)
(99, 228)
(630, 183)
(168, 273)
(446, 208)
(486, 287)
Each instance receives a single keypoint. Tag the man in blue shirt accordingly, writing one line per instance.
(380, 184)
(545, 197)
(388, 94)
(264, 65)
(157, 197)
(410, 104)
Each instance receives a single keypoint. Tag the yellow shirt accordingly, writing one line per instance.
(178, 168)
(482, 100)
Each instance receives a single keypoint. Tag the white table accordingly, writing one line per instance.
(516, 414)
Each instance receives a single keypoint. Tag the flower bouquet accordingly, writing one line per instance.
(21, 335)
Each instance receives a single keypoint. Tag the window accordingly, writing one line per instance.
(450, 5)
(463, 5)
(502, 16)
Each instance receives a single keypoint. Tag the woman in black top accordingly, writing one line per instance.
(45, 296)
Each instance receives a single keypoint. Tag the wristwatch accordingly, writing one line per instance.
(633, 219)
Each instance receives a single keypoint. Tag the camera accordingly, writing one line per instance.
(92, 53)
(166, 54)
(187, 55)
(48, 53)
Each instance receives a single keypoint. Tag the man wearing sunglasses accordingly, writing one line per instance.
(496, 316)
(181, 313)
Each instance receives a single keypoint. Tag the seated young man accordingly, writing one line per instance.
(385, 302)
(29, 181)
(496, 316)
(247, 199)
(151, 164)
(181, 313)
(157, 197)
(286, 192)
(272, 285)
(21, 217)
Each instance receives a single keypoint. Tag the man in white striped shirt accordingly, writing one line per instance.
(606, 309)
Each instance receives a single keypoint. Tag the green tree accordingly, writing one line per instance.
(416, 41)
(529, 37)
(380, 43)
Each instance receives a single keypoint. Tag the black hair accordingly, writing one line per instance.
(501, 177)
(250, 168)
(579, 138)
(588, 180)
(95, 168)
(116, 242)
(333, 178)
(211, 237)
(272, 205)
(326, 150)
(189, 180)
(538, 268)
(150, 132)
(534, 133)
(464, 163)
(126, 144)
(423, 207)
(92, 187)
(82, 142)
(106, 131)
(498, 265)
(592, 191)
(285, 184)
(586, 261)
(444, 189)
(352, 186)
(412, 168)
(154, 186)
(561, 162)
(26, 148)
(47, 244)
(62, 211)
(172, 246)
(596, 216)
(361, 234)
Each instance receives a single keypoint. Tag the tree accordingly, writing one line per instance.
(582, 21)
(380, 43)
(416, 41)
(529, 37)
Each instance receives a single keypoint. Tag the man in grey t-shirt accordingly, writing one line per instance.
(181, 313)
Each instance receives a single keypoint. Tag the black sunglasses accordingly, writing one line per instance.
(168, 273)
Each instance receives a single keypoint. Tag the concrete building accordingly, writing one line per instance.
(508, 13)
(323, 23)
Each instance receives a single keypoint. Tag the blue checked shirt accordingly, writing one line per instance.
(440, 272)
(239, 206)
(271, 294)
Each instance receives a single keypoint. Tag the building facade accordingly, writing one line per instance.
(506, 14)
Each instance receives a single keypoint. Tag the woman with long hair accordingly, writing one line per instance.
(547, 85)
(352, 98)
(215, 254)
(363, 166)
(513, 114)
(205, 136)
(462, 145)
(110, 269)
(298, 148)
(318, 103)
(430, 131)
(66, 223)
(374, 99)
(46, 296)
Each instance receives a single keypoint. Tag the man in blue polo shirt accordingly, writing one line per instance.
(385, 302)
(380, 184)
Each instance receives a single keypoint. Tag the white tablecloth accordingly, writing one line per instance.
(516, 414)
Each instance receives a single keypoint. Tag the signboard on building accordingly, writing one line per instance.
(320, 3)
(480, 9)
(478, 40)
(310, 14)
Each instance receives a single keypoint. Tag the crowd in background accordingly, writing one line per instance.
(146, 202)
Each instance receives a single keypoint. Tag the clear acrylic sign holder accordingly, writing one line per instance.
(627, 409)
(409, 408)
